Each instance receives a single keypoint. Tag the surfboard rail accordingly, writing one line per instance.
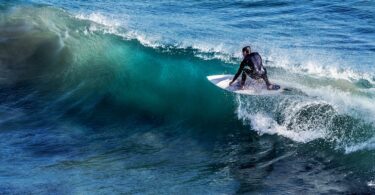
(252, 87)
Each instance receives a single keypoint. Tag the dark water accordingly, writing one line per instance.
(98, 97)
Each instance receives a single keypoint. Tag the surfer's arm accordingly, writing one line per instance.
(238, 72)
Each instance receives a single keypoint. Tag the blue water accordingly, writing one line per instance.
(105, 97)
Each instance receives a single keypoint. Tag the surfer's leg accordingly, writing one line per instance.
(243, 79)
(265, 78)
(268, 83)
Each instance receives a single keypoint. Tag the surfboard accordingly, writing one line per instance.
(251, 87)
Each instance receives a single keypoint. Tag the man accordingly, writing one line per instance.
(252, 66)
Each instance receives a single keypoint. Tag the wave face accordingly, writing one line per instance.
(113, 102)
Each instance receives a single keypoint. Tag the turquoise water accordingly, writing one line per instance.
(101, 97)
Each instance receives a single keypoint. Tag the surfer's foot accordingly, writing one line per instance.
(273, 87)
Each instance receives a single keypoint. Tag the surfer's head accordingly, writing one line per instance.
(246, 50)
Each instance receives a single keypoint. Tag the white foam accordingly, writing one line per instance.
(209, 51)
(113, 26)
(99, 18)
(264, 123)
(343, 101)
(302, 62)
(371, 184)
(143, 39)
(317, 127)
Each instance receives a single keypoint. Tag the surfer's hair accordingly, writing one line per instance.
(246, 49)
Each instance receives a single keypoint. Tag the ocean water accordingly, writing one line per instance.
(107, 97)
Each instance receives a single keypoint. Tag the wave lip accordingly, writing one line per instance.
(113, 26)
(311, 65)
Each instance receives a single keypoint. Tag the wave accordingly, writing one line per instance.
(84, 69)
(91, 66)
(313, 65)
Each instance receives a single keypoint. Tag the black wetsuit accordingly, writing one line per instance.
(252, 66)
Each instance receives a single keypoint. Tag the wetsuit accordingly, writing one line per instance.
(252, 66)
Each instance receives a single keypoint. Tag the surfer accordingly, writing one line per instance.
(252, 66)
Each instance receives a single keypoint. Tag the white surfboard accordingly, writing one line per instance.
(252, 87)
